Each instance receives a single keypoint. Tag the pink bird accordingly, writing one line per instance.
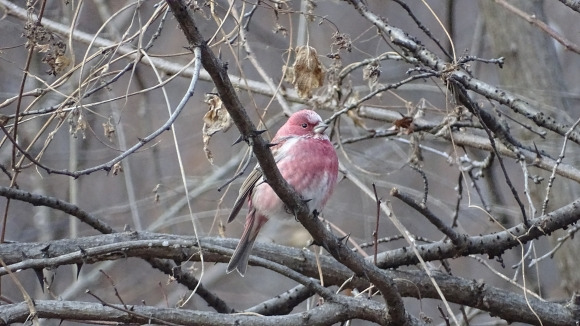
(307, 161)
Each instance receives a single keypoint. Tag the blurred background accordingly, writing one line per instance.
(66, 130)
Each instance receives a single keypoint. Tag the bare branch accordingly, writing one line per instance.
(541, 25)
(456, 238)
(431, 60)
(135, 244)
(327, 314)
(227, 93)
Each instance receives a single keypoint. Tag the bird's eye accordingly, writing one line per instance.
(304, 125)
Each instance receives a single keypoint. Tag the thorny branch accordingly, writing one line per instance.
(393, 285)
(146, 245)
(432, 61)
(227, 93)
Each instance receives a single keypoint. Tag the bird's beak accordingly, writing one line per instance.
(320, 128)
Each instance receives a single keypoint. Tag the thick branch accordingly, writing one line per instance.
(284, 303)
(49, 250)
(498, 302)
(327, 314)
(55, 203)
(493, 245)
(455, 237)
(218, 72)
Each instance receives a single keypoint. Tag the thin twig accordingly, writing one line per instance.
(425, 183)
(25, 295)
(377, 91)
(532, 19)
(459, 189)
(239, 174)
(128, 311)
(22, 84)
(424, 28)
(498, 131)
(456, 238)
(558, 162)
(165, 127)
(110, 279)
(376, 233)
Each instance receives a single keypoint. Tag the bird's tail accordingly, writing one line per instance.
(239, 260)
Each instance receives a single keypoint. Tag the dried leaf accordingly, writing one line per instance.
(43, 48)
(372, 72)
(117, 168)
(334, 56)
(48, 43)
(405, 124)
(4, 119)
(216, 119)
(342, 41)
(358, 121)
(77, 122)
(109, 130)
(310, 6)
(157, 196)
(61, 63)
(280, 29)
(288, 73)
(308, 71)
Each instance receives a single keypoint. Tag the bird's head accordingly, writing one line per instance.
(303, 123)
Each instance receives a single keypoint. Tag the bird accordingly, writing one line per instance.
(307, 160)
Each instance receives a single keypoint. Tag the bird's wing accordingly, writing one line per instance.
(245, 190)
(253, 179)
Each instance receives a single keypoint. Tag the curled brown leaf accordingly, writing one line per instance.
(109, 130)
(308, 71)
(217, 118)
(117, 168)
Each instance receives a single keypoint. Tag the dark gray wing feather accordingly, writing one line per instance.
(245, 190)
(252, 181)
